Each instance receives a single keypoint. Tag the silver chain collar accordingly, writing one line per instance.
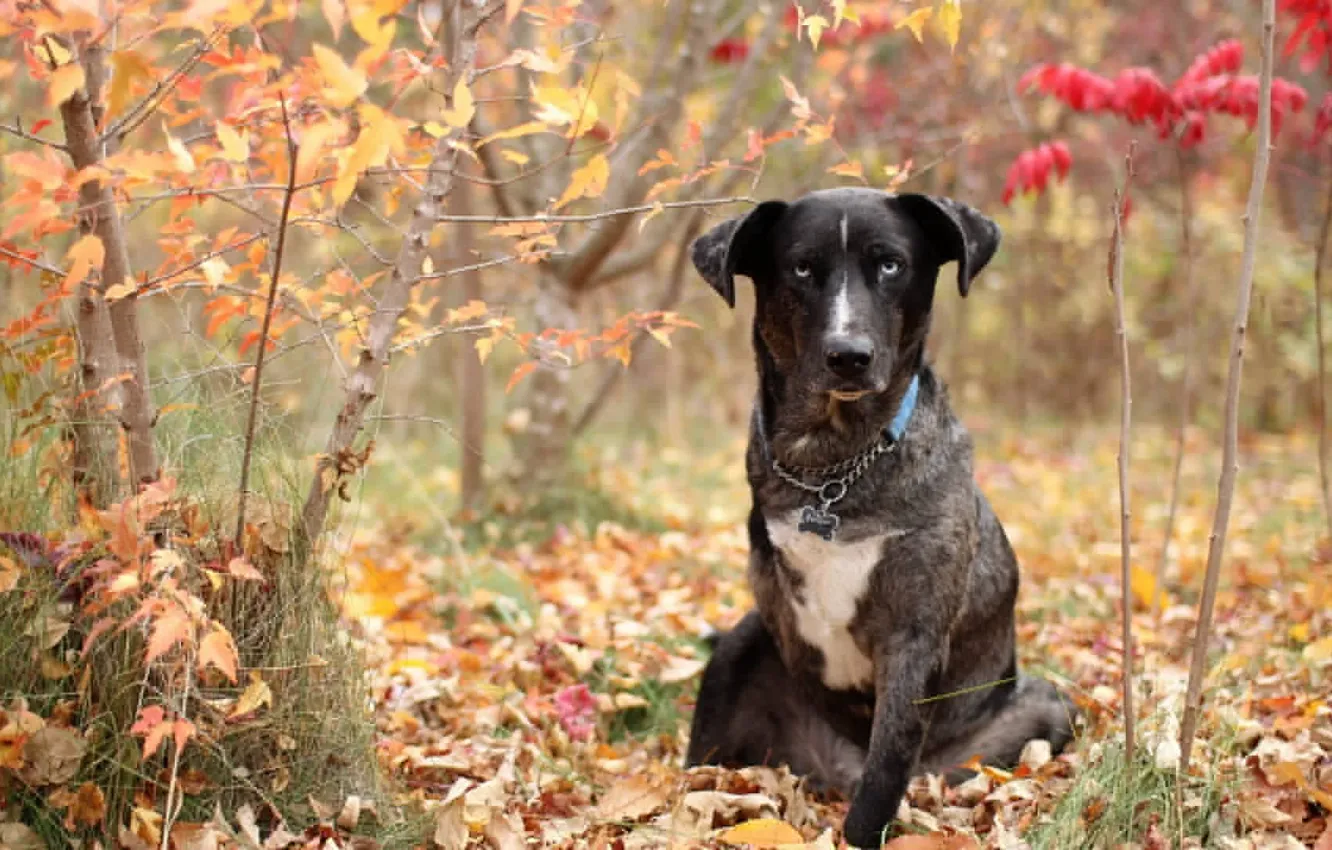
(820, 520)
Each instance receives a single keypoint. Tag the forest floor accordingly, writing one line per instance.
(538, 692)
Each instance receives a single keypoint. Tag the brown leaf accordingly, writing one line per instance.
(630, 799)
(89, 805)
(53, 756)
(17, 836)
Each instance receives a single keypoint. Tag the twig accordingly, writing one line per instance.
(139, 113)
(1230, 452)
(1319, 258)
(17, 130)
(36, 264)
(1116, 272)
(615, 372)
(153, 283)
(263, 332)
(1186, 382)
(601, 216)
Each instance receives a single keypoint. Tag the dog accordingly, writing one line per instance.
(882, 642)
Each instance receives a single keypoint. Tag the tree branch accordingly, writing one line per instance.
(1230, 453)
(273, 284)
(363, 385)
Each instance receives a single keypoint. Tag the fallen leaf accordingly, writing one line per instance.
(52, 756)
(89, 805)
(763, 832)
(631, 798)
(256, 694)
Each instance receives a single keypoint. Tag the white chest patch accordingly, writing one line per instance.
(836, 575)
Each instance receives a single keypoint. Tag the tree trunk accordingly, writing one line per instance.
(541, 447)
(98, 324)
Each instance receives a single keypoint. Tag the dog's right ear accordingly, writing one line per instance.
(732, 247)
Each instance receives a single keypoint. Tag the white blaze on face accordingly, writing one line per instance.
(841, 315)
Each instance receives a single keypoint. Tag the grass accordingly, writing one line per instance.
(1112, 803)
(314, 740)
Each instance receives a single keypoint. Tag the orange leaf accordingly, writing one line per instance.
(523, 370)
(182, 730)
(219, 650)
(241, 568)
(83, 256)
(763, 832)
(171, 628)
(65, 81)
(153, 726)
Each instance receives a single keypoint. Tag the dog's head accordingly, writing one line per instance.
(844, 280)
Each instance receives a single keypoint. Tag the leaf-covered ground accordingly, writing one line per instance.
(540, 694)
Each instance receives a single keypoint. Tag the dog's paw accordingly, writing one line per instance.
(864, 827)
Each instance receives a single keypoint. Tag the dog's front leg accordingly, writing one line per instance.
(903, 665)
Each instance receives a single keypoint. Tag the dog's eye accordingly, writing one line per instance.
(803, 270)
(890, 267)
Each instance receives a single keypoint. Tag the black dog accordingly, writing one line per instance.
(883, 640)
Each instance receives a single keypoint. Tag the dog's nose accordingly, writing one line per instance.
(848, 356)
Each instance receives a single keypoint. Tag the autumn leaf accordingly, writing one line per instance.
(182, 731)
(153, 726)
(815, 25)
(1319, 652)
(950, 22)
(255, 695)
(523, 370)
(89, 805)
(763, 833)
(473, 309)
(459, 113)
(484, 346)
(848, 169)
(916, 22)
(170, 628)
(243, 569)
(180, 155)
(83, 256)
(219, 650)
(235, 146)
(128, 65)
(344, 85)
(9, 574)
(588, 181)
(64, 82)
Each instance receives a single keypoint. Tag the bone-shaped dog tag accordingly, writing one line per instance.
(818, 521)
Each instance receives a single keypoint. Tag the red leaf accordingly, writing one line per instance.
(1063, 160)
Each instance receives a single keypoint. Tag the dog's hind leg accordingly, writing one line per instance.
(751, 711)
(1035, 709)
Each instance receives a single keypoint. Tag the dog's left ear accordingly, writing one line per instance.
(958, 232)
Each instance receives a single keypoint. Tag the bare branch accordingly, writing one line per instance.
(1230, 453)
(28, 261)
(591, 217)
(275, 278)
(17, 130)
(1116, 272)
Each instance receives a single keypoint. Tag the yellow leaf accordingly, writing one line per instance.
(1143, 584)
(950, 21)
(256, 694)
(527, 129)
(313, 141)
(1299, 632)
(460, 113)
(916, 21)
(235, 146)
(128, 66)
(517, 158)
(119, 291)
(184, 162)
(848, 169)
(372, 21)
(9, 574)
(219, 650)
(523, 370)
(815, 25)
(473, 309)
(65, 81)
(215, 270)
(345, 85)
(559, 107)
(484, 346)
(762, 832)
(1319, 651)
(83, 256)
(656, 210)
(661, 335)
(588, 181)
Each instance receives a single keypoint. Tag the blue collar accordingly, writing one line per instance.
(898, 426)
